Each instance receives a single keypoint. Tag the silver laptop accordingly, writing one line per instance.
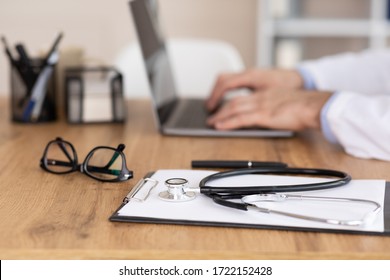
(175, 115)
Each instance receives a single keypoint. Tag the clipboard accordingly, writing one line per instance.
(142, 205)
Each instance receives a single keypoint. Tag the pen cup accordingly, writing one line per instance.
(32, 98)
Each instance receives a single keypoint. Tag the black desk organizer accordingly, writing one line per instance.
(21, 92)
(80, 98)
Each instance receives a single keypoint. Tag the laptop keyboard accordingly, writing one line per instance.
(194, 114)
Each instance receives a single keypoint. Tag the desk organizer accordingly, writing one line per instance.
(27, 103)
(94, 95)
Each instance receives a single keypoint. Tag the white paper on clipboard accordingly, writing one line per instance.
(203, 209)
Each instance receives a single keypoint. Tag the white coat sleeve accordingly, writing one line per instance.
(358, 116)
(361, 124)
(366, 72)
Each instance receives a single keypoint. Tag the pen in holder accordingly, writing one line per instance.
(32, 84)
(94, 95)
(33, 91)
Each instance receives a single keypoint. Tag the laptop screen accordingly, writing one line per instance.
(155, 55)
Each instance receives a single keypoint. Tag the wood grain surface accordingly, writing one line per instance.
(48, 216)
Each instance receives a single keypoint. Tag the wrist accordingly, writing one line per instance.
(315, 102)
(282, 78)
(292, 79)
(308, 82)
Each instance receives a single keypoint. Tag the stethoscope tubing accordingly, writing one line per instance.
(247, 198)
(237, 192)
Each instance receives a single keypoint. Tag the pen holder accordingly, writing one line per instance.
(94, 95)
(25, 108)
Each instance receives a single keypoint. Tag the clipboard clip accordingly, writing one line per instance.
(137, 190)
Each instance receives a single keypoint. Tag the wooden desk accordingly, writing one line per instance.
(47, 216)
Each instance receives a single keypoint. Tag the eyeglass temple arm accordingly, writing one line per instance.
(120, 148)
(63, 148)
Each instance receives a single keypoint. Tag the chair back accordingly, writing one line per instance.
(196, 63)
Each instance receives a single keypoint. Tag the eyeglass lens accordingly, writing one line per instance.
(60, 157)
(104, 164)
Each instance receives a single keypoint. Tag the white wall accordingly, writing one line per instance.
(103, 28)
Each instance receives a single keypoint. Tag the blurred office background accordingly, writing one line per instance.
(265, 32)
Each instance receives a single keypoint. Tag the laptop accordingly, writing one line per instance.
(175, 115)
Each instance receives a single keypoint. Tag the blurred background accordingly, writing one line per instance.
(266, 33)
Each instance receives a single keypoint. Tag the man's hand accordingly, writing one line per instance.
(254, 79)
(277, 108)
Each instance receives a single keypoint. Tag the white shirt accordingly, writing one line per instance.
(358, 115)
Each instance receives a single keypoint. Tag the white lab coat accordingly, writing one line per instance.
(359, 116)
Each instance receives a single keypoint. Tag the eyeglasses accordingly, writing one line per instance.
(105, 164)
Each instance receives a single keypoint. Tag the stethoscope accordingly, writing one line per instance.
(249, 197)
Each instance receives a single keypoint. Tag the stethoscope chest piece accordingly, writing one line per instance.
(176, 191)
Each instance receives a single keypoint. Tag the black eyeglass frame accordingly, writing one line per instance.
(124, 175)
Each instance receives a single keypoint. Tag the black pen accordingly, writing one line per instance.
(23, 56)
(15, 63)
(25, 63)
(7, 50)
(235, 164)
(34, 105)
